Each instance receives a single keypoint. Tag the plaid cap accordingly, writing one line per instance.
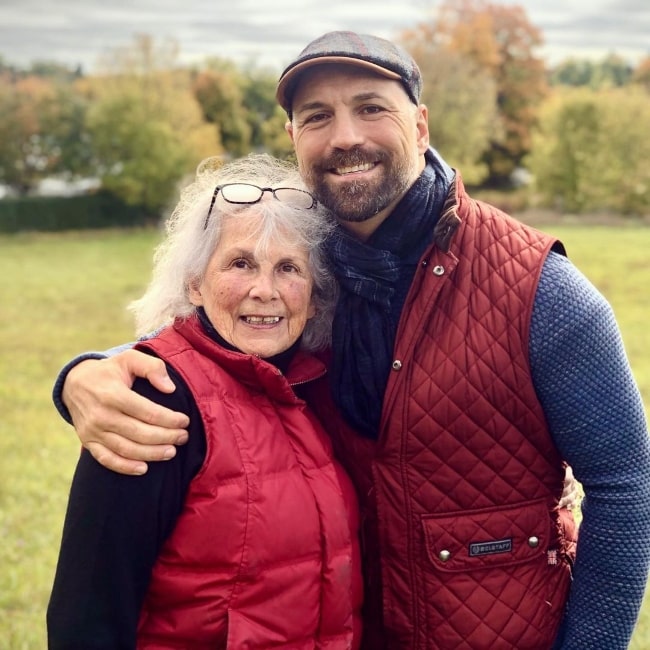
(363, 50)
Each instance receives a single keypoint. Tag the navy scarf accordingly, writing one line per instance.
(375, 277)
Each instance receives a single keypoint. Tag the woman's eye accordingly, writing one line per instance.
(289, 268)
(240, 264)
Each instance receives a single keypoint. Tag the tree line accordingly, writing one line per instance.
(142, 122)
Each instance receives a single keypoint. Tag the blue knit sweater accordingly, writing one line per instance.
(596, 416)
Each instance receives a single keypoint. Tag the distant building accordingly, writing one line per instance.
(6, 192)
(60, 187)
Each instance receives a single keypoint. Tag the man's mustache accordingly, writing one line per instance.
(351, 158)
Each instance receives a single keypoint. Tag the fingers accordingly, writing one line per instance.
(121, 454)
(120, 428)
(568, 474)
(124, 443)
(570, 499)
(98, 394)
(572, 493)
(127, 413)
(114, 446)
(134, 363)
(116, 463)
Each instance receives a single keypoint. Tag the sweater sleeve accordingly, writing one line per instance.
(596, 416)
(114, 528)
(57, 389)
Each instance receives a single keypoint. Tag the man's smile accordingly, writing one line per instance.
(352, 169)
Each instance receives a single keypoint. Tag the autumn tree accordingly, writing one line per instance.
(242, 104)
(219, 91)
(146, 126)
(41, 125)
(14, 134)
(263, 113)
(461, 99)
(274, 138)
(501, 41)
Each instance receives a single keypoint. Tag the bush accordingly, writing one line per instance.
(592, 149)
(101, 210)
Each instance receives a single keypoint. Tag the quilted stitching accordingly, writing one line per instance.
(465, 433)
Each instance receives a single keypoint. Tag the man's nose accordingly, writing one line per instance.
(346, 132)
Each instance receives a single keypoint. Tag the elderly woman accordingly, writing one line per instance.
(248, 537)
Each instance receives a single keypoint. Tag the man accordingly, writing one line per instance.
(474, 361)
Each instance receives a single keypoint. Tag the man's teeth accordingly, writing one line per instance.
(356, 168)
(262, 320)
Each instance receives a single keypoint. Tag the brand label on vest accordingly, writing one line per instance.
(490, 548)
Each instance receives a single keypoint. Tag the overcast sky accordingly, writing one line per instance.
(272, 32)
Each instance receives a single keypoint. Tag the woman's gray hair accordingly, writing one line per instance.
(182, 258)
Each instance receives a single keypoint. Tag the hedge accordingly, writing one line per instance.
(100, 210)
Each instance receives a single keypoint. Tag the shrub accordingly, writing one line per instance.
(101, 210)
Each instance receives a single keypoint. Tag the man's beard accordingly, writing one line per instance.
(357, 201)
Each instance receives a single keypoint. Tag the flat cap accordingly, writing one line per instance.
(363, 50)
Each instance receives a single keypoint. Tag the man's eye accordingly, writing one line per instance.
(317, 117)
(372, 110)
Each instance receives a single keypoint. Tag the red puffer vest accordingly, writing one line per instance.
(265, 552)
(460, 492)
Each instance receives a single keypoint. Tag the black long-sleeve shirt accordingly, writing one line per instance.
(114, 528)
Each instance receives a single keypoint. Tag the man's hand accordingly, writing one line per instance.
(120, 428)
(572, 494)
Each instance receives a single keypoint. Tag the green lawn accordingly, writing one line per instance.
(60, 294)
(65, 293)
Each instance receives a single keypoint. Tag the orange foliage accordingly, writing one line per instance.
(502, 42)
(32, 93)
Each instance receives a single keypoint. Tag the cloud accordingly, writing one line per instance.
(80, 31)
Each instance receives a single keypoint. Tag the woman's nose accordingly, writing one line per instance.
(264, 287)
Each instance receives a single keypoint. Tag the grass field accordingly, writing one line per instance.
(61, 294)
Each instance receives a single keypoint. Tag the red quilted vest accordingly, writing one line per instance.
(265, 552)
(464, 542)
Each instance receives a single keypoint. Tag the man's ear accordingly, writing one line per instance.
(288, 127)
(422, 126)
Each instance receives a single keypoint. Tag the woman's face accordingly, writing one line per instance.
(258, 301)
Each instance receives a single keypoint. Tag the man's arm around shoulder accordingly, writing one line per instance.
(121, 429)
